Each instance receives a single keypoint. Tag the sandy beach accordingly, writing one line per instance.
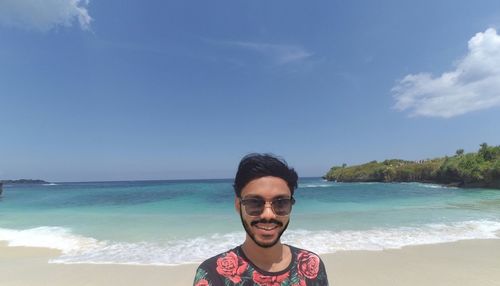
(470, 262)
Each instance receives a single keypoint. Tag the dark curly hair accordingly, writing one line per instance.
(255, 165)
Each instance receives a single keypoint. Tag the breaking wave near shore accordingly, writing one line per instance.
(78, 249)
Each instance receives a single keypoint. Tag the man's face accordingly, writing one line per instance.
(265, 229)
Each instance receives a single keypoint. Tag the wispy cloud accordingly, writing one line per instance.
(281, 54)
(277, 53)
(44, 15)
(474, 83)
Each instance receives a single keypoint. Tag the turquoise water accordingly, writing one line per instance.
(174, 222)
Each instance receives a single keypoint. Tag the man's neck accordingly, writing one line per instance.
(272, 259)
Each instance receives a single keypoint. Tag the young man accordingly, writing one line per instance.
(264, 187)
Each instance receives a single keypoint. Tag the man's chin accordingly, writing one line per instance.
(263, 240)
(266, 243)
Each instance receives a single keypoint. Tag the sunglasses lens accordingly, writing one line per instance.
(282, 206)
(254, 207)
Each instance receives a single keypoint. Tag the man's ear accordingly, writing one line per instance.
(237, 204)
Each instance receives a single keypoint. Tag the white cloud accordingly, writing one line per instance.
(474, 84)
(279, 54)
(44, 15)
(282, 54)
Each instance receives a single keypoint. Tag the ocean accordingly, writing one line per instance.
(187, 221)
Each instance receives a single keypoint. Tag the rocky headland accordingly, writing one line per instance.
(23, 181)
(474, 170)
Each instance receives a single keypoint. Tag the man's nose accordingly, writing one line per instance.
(268, 211)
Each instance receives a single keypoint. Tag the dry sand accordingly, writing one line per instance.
(463, 263)
(473, 262)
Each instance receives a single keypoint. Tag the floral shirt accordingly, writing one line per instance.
(234, 268)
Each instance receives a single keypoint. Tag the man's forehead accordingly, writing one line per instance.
(267, 187)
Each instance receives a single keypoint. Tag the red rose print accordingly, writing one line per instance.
(231, 267)
(264, 280)
(308, 264)
(202, 282)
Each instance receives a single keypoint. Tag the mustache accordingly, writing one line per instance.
(279, 223)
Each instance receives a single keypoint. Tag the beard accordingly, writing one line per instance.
(252, 235)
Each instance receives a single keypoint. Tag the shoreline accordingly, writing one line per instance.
(441, 184)
(467, 262)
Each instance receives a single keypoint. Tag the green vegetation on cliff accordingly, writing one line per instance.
(480, 169)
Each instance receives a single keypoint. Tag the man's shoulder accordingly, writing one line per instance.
(216, 269)
(212, 261)
(309, 265)
(299, 252)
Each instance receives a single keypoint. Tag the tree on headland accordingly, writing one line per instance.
(481, 169)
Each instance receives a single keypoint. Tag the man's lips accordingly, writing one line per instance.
(266, 222)
(266, 226)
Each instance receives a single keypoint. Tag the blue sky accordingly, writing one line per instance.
(127, 90)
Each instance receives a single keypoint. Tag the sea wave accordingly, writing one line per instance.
(430, 185)
(392, 238)
(78, 249)
(48, 237)
(304, 186)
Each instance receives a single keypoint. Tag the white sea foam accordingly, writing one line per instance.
(48, 237)
(80, 249)
(146, 253)
(50, 184)
(392, 238)
(431, 186)
(316, 186)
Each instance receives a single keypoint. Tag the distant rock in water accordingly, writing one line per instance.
(23, 181)
(1, 188)
(473, 170)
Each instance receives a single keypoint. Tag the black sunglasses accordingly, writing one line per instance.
(256, 206)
